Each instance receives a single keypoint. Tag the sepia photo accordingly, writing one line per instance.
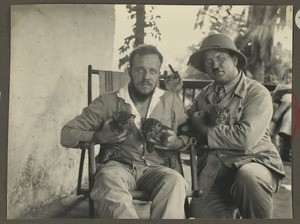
(133, 111)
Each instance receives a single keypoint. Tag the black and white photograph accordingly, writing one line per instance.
(151, 111)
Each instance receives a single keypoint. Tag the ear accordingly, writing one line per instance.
(128, 70)
(235, 60)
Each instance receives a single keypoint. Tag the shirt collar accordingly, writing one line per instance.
(156, 98)
(237, 86)
(230, 86)
(241, 87)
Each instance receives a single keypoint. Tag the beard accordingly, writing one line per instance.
(136, 93)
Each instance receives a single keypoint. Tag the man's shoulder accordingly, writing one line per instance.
(109, 95)
(170, 98)
(106, 97)
(205, 90)
(253, 87)
(254, 84)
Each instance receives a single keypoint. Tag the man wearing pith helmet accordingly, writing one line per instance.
(238, 164)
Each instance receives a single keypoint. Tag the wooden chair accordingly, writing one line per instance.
(110, 81)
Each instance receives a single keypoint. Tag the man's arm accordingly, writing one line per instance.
(83, 126)
(92, 125)
(249, 130)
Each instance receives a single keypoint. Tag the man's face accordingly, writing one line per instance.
(144, 74)
(220, 66)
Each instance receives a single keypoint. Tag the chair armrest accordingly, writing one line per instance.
(92, 159)
(84, 144)
(90, 146)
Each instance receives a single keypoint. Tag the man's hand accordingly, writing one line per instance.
(173, 83)
(172, 142)
(106, 135)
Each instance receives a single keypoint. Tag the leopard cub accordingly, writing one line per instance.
(154, 129)
(122, 121)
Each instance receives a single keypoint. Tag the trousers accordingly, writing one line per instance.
(250, 189)
(114, 180)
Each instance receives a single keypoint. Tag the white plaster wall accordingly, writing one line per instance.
(51, 47)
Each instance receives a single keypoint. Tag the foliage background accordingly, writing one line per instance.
(262, 33)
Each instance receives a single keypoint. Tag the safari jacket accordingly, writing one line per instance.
(244, 137)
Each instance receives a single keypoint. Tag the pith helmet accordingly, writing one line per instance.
(215, 42)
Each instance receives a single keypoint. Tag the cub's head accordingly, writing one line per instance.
(151, 128)
(122, 121)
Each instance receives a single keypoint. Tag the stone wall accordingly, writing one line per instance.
(51, 47)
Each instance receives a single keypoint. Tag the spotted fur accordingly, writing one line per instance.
(122, 121)
(215, 115)
(154, 129)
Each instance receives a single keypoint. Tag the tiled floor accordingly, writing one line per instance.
(77, 207)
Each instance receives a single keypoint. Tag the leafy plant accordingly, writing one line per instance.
(253, 30)
(144, 19)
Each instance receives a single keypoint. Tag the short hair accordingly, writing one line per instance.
(143, 50)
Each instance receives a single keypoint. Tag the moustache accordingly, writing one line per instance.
(215, 71)
(146, 83)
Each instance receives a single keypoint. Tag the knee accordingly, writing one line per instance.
(250, 180)
(109, 178)
(107, 186)
(245, 177)
(106, 176)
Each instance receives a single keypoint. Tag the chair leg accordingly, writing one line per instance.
(91, 202)
(92, 171)
(79, 190)
(187, 208)
(91, 208)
